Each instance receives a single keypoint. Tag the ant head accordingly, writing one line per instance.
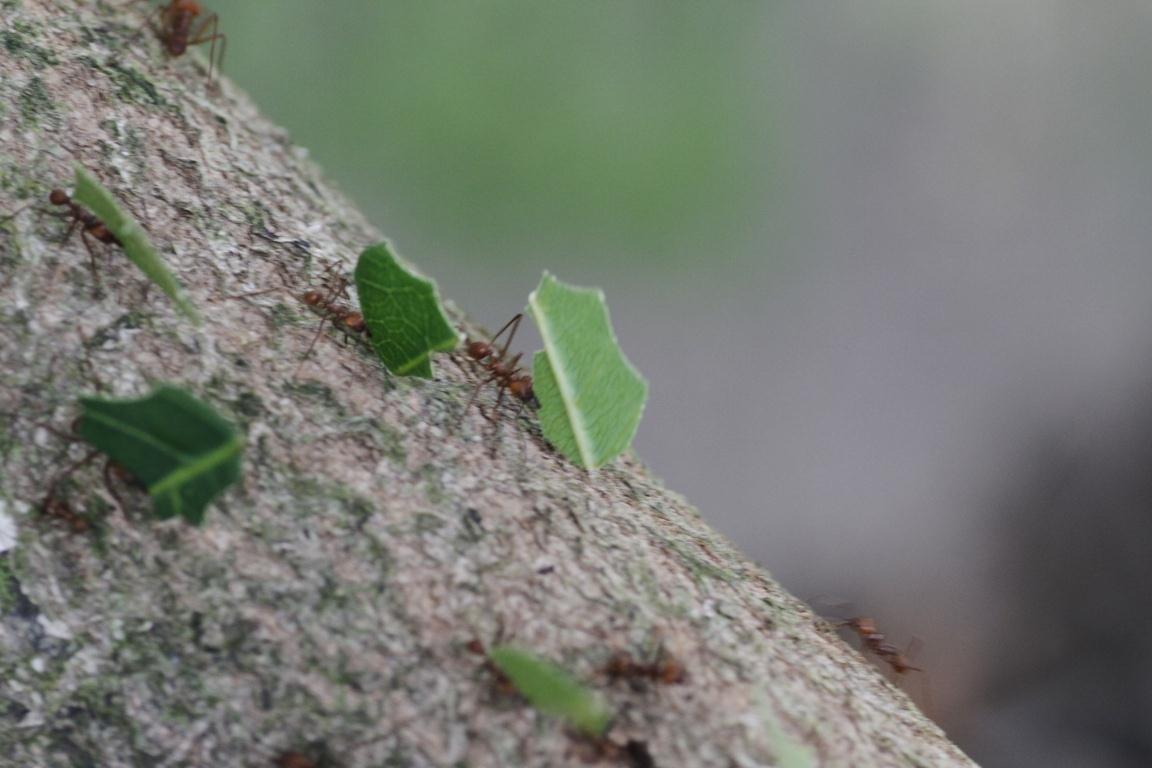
(312, 298)
(478, 350)
(58, 197)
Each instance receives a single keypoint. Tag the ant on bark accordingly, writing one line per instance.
(875, 641)
(327, 304)
(59, 509)
(506, 373)
(665, 669)
(90, 226)
(178, 29)
(330, 308)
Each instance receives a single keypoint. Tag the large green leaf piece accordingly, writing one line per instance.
(551, 689)
(591, 397)
(183, 452)
(405, 319)
(91, 194)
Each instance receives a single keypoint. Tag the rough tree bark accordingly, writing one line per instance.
(327, 603)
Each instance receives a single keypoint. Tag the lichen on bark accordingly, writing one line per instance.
(380, 527)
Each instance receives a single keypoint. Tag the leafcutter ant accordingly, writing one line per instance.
(58, 508)
(876, 642)
(328, 305)
(665, 669)
(504, 372)
(179, 25)
(900, 662)
(90, 227)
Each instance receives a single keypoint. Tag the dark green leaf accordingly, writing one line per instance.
(591, 397)
(403, 313)
(178, 447)
(552, 690)
(92, 195)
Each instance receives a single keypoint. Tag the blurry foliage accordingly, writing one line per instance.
(491, 130)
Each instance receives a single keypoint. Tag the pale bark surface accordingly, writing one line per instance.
(379, 528)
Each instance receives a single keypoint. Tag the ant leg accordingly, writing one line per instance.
(108, 484)
(251, 293)
(307, 352)
(915, 645)
(499, 401)
(325, 304)
(475, 393)
(511, 326)
(199, 37)
(16, 212)
(71, 229)
(88, 361)
(149, 20)
(63, 475)
(96, 286)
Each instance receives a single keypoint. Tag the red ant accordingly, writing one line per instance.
(178, 28)
(90, 227)
(505, 373)
(328, 306)
(876, 642)
(57, 508)
(665, 670)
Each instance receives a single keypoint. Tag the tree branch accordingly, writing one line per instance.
(330, 601)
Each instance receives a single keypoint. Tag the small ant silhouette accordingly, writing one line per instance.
(113, 472)
(59, 509)
(877, 643)
(178, 29)
(90, 227)
(504, 372)
(326, 304)
(331, 309)
(665, 670)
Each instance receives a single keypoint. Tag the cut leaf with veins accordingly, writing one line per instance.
(591, 397)
(405, 319)
(183, 452)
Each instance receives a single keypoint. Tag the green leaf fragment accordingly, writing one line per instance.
(92, 195)
(179, 448)
(552, 690)
(403, 313)
(591, 397)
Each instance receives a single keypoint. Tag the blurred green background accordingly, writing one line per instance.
(515, 135)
